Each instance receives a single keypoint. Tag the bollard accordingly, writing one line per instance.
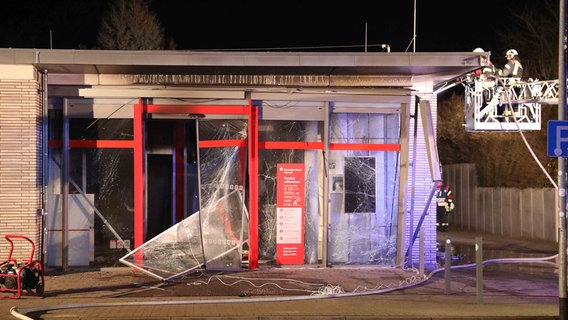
(421, 266)
(479, 268)
(447, 264)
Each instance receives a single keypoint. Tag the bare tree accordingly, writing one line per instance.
(502, 158)
(533, 31)
(129, 25)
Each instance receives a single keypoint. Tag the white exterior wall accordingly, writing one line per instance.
(420, 191)
(20, 159)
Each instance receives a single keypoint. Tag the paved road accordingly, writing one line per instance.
(509, 292)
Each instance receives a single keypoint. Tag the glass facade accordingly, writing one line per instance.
(362, 201)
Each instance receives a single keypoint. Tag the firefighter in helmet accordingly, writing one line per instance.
(487, 72)
(487, 75)
(444, 205)
(513, 68)
(512, 72)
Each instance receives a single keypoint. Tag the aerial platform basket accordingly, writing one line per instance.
(507, 104)
(24, 277)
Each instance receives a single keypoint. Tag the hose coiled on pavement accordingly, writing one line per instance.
(20, 314)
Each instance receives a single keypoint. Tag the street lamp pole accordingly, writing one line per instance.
(414, 34)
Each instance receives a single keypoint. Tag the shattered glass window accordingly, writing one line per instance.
(291, 131)
(363, 212)
(360, 195)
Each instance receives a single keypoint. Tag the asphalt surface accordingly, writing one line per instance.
(519, 281)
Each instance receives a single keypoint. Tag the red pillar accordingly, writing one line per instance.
(139, 110)
(253, 185)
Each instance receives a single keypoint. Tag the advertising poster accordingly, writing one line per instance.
(290, 184)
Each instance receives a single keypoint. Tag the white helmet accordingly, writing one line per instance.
(511, 53)
(479, 50)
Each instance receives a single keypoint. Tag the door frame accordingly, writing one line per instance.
(250, 110)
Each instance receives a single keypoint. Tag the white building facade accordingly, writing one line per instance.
(102, 151)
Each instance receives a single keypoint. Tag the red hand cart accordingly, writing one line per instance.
(23, 277)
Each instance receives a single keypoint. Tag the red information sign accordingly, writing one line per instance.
(290, 186)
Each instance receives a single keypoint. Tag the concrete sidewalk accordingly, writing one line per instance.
(388, 293)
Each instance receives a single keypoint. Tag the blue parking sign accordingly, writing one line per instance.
(557, 137)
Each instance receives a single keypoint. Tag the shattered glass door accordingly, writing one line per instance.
(222, 176)
(213, 236)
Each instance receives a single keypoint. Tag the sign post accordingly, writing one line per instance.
(561, 192)
(557, 146)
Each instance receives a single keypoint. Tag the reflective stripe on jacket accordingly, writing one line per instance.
(444, 196)
(513, 68)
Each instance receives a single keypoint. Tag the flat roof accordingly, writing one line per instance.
(438, 66)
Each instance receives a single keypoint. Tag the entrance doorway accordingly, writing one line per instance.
(170, 153)
(171, 167)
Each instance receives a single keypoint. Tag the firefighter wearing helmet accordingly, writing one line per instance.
(513, 68)
(444, 205)
(487, 72)
(486, 75)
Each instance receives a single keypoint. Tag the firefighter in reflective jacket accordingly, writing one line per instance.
(486, 75)
(444, 205)
(513, 70)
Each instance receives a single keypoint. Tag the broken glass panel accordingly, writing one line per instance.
(283, 131)
(222, 173)
(172, 253)
(214, 235)
(359, 185)
(363, 216)
(180, 249)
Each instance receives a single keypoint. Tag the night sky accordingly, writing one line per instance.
(441, 25)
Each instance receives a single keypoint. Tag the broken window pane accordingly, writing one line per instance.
(363, 231)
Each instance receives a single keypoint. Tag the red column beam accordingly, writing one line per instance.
(139, 110)
(253, 185)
